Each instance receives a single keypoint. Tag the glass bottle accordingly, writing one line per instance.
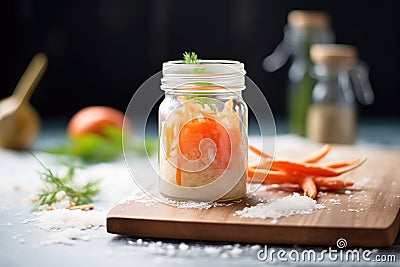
(332, 115)
(203, 131)
(304, 28)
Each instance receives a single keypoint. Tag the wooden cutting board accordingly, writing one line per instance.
(366, 216)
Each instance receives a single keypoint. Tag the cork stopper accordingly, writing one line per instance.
(308, 19)
(332, 53)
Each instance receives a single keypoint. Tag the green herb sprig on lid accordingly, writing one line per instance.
(190, 58)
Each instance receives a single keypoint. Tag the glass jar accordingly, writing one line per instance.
(332, 115)
(304, 29)
(203, 131)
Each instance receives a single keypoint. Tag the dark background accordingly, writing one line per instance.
(101, 51)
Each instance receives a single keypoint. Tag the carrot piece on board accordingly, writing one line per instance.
(341, 164)
(332, 184)
(313, 169)
(309, 187)
(318, 155)
(272, 176)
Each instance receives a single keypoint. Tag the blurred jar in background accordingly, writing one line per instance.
(304, 28)
(332, 115)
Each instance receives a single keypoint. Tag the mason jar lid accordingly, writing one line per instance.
(207, 75)
(332, 53)
(308, 19)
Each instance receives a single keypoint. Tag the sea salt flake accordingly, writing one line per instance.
(335, 201)
(65, 218)
(212, 250)
(183, 247)
(255, 247)
(66, 237)
(235, 252)
(281, 207)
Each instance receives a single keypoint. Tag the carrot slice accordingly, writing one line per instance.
(259, 152)
(309, 187)
(199, 129)
(272, 177)
(318, 155)
(178, 176)
(340, 164)
(332, 184)
(313, 169)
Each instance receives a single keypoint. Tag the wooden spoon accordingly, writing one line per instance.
(19, 121)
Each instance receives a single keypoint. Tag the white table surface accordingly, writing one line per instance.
(21, 242)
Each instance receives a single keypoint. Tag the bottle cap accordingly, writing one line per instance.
(308, 19)
(332, 53)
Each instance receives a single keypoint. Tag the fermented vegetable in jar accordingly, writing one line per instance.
(203, 131)
(304, 28)
(332, 116)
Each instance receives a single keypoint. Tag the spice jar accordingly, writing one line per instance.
(332, 115)
(304, 28)
(203, 131)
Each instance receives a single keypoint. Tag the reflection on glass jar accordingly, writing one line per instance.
(203, 131)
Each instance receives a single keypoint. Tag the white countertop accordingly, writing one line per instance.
(21, 242)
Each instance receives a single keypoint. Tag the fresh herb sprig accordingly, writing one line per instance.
(54, 183)
(190, 58)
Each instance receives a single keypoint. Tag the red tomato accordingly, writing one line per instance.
(93, 120)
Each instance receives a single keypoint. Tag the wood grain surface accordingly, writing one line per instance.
(366, 216)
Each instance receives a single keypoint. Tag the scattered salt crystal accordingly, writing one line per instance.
(29, 232)
(139, 241)
(61, 204)
(21, 240)
(235, 252)
(281, 207)
(255, 247)
(224, 255)
(64, 218)
(353, 210)
(347, 192)
(212, 250)
(227, 247)
(9, 224)
(170, 252)
(66, 237)
(170, 247)
(130, 242)
(183, 247)
(158, 243)
(60, 195)
(335, 201)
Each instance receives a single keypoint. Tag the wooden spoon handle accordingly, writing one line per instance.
(31, 77)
